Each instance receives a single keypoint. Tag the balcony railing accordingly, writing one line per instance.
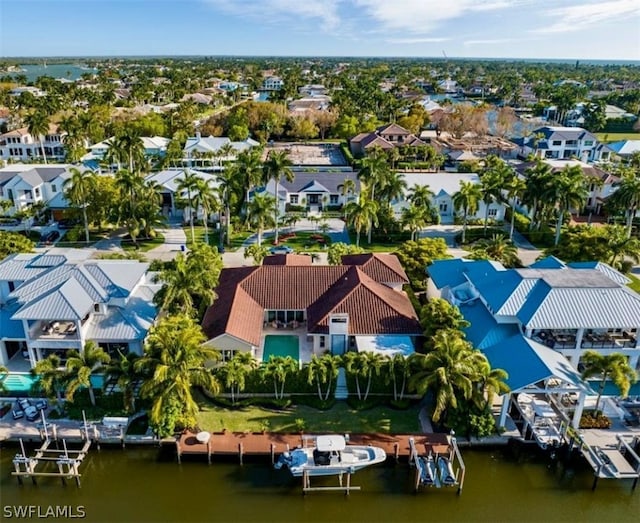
(54, 330)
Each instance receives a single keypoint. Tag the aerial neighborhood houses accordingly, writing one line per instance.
(24, 185)
(154, 147)
(386, 137)
(212, 151)
(57, 301)
(564, 143)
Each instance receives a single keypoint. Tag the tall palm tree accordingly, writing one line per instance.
(490, 382)
(279, 368)
(414, 219)
(627, 197)
(538, 178)
(467, 199)
(127, 148)
(174, 361)
(399, 368)
(260, 213)
(568, 192)
(323, 371)
(422, 196)
(189, 184)
(235, 372)
(374, 173)
(515, 188)
(78, 188)
(249, 164)
(450, 371)
(613, 365)
(491, 183)
(363, 365)
(227, 189)
(38, 126)
(82, 365)
(394, 188)
(123, 371)
(361, 214)
(206, 199)
(52, 376)
(277, 165)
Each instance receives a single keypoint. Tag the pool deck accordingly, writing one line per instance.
(305, 347)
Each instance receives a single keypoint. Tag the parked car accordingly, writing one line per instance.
(50, 237)
(281, 249)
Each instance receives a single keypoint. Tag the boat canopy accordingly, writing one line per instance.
(329, 443)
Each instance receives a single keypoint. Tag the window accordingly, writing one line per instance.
(493, 213)
(293, 198)
(322, 342)
(556, 142)
(37, 192)
(12, 286)
(588, 143)
(443, 207)
(54, 188)
(333, 199)
(96, 307)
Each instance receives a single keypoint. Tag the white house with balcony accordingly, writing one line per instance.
(27, 184)
(444, 185)
(272, 83)
(210, 152)
(57, 301)
(19, 145)
(154, 147)
(563, 143)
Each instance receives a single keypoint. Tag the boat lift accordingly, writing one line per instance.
(437, 469)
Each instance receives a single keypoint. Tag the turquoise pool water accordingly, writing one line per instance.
(285, 345)
(22, 381)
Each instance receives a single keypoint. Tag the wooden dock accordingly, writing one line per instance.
(271, 444)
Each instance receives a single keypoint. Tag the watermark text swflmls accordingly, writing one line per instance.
(44, 512)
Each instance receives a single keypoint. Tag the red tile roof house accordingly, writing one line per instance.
(358, 305)
(386, 137)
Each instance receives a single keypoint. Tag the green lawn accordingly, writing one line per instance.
(302, 241)
(339, 419)
(142, 245)
(237, 238)
(615, 137)
(94, 237)
(378, 245)
(635, 282)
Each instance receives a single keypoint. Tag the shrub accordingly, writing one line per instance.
(74, 234)
(594, 420)
(346, 152)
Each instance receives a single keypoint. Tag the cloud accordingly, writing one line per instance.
(489, 41)
(417, 40)
(423, 16)
(324, 11)
(582, 16)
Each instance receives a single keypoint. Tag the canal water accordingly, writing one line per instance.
(144, 484)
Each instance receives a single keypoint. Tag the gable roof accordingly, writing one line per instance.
(393, 129)
(287, 259)
(441, 184)
(331, 182)
(381, 267)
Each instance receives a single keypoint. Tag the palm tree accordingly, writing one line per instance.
(173, 362)
(422, 196)
(3, 373)
(206, 199)
(259, 213)
(124, 372)
(227, 188)
(414, 219)
(569, 191)
(191, 277)
(361, 214)
(363, 365)
(515, 188)
(491, 184)
(78, 188)
(189, 183)
(38, 127)
(82, 365)
(627, 197)
(277, 165)
(348, 187)
(613, 365)
(374, 173)
(450, 370)
(467, 200)
(127, 148)
(538, 178)
(52, 376)
(235, 372)
(490, 382)
(323, 371)
(249, 165)
(399, 368)
(497, 248)
(394, 188)
(278, 368)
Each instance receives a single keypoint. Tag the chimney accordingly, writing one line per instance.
(198, 136)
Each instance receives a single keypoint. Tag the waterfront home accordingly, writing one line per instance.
(312, 309)
(173, 202)
(563, 143)
(444, 185)
(24, 185)
(536, 322)
(19, 145)
(57, 301)
(314, 191)
(386, 137)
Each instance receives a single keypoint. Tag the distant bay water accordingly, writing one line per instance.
(70, 71)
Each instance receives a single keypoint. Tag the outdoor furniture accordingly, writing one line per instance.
(17, 414)
(41, 404)
(31, 412)
(71, 328)
(24, 403)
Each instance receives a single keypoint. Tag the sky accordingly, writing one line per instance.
(586, 29)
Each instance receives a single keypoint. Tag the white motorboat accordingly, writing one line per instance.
(542, 419)
(329, 455)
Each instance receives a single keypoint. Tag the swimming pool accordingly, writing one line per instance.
(281, 345)
(19, 381)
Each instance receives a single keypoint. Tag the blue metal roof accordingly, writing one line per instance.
(10, 329)
(550, 262)
(484, 331)
(496, 288)
(451, 273)
(537, 295)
